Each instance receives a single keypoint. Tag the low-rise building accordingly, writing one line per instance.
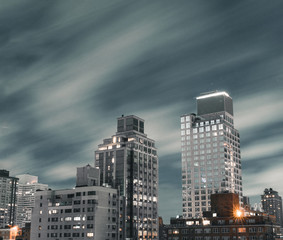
(85, 212)
(225, 221)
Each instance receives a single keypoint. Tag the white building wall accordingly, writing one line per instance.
(80, 213)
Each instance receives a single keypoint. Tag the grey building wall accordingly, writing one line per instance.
(8, 198)
(82, 213)
(128, 161)
(88, 176)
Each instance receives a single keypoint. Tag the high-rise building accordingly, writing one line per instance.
(272, 204)
(129, 163)
(86, 212)
(8, 198)
(211, 157)
(28, 185)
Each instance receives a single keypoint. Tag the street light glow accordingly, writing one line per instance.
(238, 213)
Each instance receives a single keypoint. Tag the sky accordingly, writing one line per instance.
(68, 69)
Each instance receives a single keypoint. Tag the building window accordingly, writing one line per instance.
(91, 193)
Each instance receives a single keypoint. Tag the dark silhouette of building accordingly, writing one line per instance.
(272, 204)
(162, 231)
(246, 202)
(226, 221)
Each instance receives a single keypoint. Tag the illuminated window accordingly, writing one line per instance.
(89, 234)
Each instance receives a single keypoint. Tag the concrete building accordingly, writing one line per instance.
(272, 204)
(226, 221)
(8, 199)
(85, 212)
(128, 162)
(211, 157)
(28, 185)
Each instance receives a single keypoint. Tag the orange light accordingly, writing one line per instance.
(238, 213)
(14, 232)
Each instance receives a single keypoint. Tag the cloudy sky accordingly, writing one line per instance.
(68, 69)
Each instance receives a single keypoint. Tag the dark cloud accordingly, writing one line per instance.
(68, 69)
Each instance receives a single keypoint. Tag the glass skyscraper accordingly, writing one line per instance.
(211, 157)
(128, 162)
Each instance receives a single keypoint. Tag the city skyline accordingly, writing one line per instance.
(68, 70)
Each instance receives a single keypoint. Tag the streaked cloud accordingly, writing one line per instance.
(256, 182)
(262, 148)
(258, 110)
(69, 69)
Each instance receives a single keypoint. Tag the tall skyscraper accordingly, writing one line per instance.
(272, 204)
(211, 157)
(128, 162)
(8, 198)
(28, 185)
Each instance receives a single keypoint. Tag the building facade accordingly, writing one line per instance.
(28, 185)
(272, 204)
(128, 162)
(226, 221)
(8, 199)
(85, 212)
(211, 157)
